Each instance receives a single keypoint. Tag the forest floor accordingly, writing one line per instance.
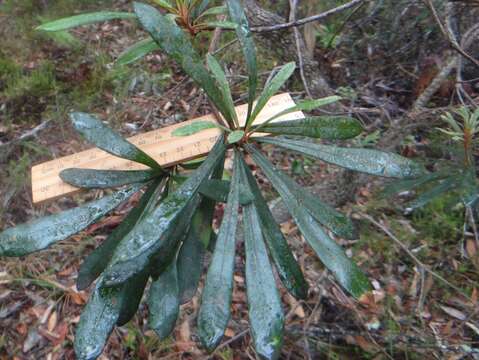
(423, 265)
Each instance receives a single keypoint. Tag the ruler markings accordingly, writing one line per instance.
(159, 144)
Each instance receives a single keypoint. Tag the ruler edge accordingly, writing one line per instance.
(167, 165)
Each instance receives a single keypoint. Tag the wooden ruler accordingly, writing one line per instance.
(160, 144)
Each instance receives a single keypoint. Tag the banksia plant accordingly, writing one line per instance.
(165, 237)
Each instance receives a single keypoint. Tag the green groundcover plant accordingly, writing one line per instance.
(455, 177)
(166, 235)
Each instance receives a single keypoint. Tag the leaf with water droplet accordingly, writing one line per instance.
(98, 260)
(41, 233)
(331, 254)
(286, 265)
(214, 312)
(324, 127)
(103, 179)
(369, 161)
(108, 140)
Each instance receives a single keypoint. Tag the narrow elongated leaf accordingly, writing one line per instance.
(214, 312)
(191, 255)
(164, 302)
(245, 38)
(369, 161)
(165, 5)
(399, 186)
(108, 140)
(271, 88)
(264, 305)
(215, 10)
(219, 24)
(324, 127)
(198, 7)
(103, 179)
(131, 298)
(103, 310)
(173, 41)
(137, 51)
(220, 77)
(288, 269)
(84, 19)
(193, 128)
(330, 253)
(428, 196)
(154, 240)
(218, 191)
(97, 261)
(41, 233)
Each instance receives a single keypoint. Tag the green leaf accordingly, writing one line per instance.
(191, 255)
(235, 136)
(264, 304)
(219, 24)
(137, 51)
(104, 309)
(103, 179)
(288, 269)
(154, 240)
(324, 127)
(41, 233)
(307, 105)
(330, 253)
(214, 312)
(213, 11)
(245, 38)
(84, 19)
(97, 261)
(173, 41)
(369, 161)
(399, 186)
(220, 77)
(193, 128)
(193, 164)
(108, 140)
(218, 191)
(165, 5)
(271, 88)
(164, 303)
(426, 197)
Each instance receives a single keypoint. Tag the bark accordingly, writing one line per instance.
(284, 43)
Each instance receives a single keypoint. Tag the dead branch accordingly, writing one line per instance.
(309, 19)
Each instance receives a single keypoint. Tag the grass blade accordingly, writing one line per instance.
(84, 19)
(108, 140)
(214, 312)
(286, 265)
(369, 161)
(41, 233)
(103, 179)
(330, 253)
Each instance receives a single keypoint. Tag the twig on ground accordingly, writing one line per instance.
(292, 18)
(418, 262)
(309, 19)
(454, 44)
